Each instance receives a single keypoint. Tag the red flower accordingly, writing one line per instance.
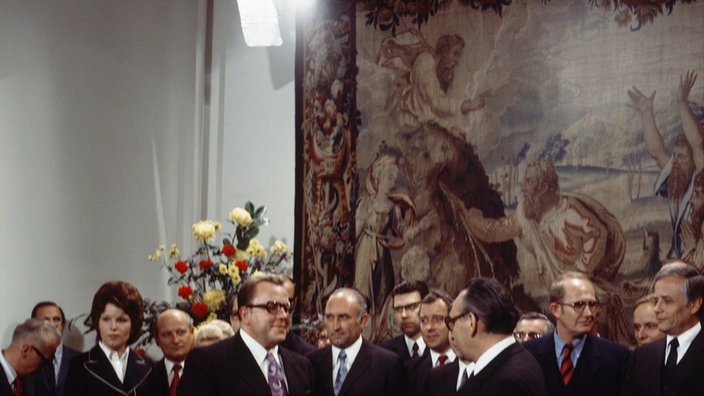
(140, 351)
(242, 265)
(199, 309)
(229, 250)
(204, 264)
(185, 292)
(181, 266)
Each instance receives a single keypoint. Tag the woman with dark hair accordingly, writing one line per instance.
(111, 368)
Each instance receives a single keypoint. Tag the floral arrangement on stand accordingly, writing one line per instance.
(209, 277)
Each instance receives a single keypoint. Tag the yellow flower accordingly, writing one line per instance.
(205, 230)
(235, 276)
(214, 299)
(258, 274)
(212, 316)
(156, 256)
(279, 247)
(240, 255)
(223, 269)
(256, 249)
(174, 252)
(241, 217)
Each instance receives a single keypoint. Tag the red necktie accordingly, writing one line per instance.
(415, 350)
(441, 360)
(566, 367)
(18, 386)
(174, 382)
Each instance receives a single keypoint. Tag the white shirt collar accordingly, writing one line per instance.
(119, 363)
(169, 364)
(685, 340)
(351, 351)
(410, 341)
(10, 372)
(493, 352)
(465, 369)
(259, 352)
(435, 355)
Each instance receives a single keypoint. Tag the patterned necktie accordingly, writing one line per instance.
(671, 363)
(174, 382)
(276, 379)
(566, 367)
(341, 372)
(441, 360)
(415, 350)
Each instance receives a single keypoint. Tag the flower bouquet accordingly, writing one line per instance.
(209, 278)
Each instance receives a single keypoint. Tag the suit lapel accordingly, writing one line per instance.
(360, 365)
(475, 384)
(5, 387)
(588, 363)
(326, 373)
(137, 372)
(290, 370)
(548, 361)
(99, 367)
(689, 362)
(245, 366)
(66, 357)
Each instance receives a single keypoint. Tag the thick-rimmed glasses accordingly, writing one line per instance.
(408, 307)
(531, 335)
(579, 306)
(45, 360)
(273, 307)
(435, 319)
(450, 321)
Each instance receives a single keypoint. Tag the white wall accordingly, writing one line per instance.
(99, 129)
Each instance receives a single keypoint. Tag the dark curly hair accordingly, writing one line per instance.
(126, 297)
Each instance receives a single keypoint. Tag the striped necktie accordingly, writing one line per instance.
(566, 366)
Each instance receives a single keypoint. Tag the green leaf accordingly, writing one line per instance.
(261, 211)
(226, 241)
(249, 207)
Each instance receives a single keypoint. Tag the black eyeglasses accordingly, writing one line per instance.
(45, 360)
(450, 321)
(409, 307)
(273, 307)
(520, 335)
(579, 306)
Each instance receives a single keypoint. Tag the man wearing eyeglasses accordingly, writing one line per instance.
(481, 323)
(673, 365)
(407, 297)
(51, 379)
(532, 325)
(352, 366)
(32, 348)
(251, 362)
(574, 361)
(433, 311)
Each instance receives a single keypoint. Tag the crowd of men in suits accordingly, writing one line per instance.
(474, 344)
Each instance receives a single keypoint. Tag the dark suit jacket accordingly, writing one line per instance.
(418, 370)
(228, 368)
(160, 379)
(398, 346)
(514, 371)
(5, 386)
(644, 375)
(43, 383)
(441, 381)
(599, 371)
(375, 371)
(91, 374)
(296, 343)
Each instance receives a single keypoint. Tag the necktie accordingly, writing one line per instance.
(415, 350)
(566, 367)
(276, 379)
(463, 379)
(441, 360)
(671, 363)
(341, 372)
(174, 382)
(18, 386)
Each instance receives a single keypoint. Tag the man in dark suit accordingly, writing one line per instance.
(481, 323)
(574, 361)
(173, 333)
(433, 311)
(293, 341)
(673, 365)
(407, 297)
(251, 362)
(51, 379)
(32, 348)
(351, 365)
